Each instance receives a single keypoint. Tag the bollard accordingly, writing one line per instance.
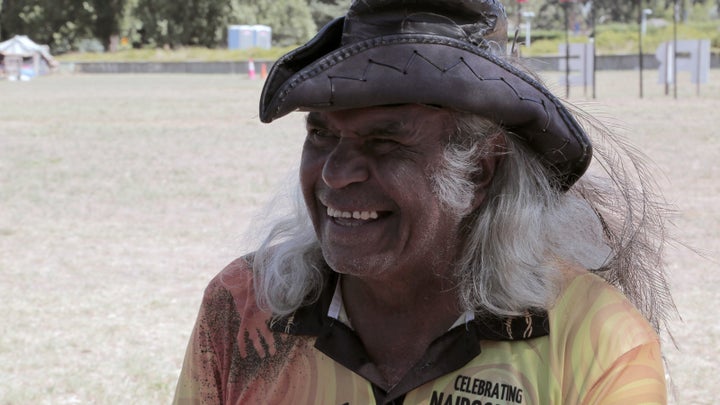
(251, 69)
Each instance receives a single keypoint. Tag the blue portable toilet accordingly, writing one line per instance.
(241, 37)
(263, 36)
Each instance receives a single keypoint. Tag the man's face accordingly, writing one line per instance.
(366, 179)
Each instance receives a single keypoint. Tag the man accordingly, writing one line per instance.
(448, 250)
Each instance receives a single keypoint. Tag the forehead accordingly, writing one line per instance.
(392, 119)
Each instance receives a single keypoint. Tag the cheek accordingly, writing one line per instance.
(311, 163)
(310, 172)
(411, 180)
(415, 193)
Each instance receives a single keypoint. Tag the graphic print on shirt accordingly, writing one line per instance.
(258, 353)
(468, 390)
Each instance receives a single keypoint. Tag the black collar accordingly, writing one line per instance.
(448, 352)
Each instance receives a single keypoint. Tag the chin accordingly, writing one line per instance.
(362, 267)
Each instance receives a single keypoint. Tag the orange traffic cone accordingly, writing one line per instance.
(263, 70)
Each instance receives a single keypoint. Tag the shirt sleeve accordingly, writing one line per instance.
(607, 353)
(228, 329)
(200, 377)
(637, 377)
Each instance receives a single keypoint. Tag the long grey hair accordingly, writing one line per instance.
(515, 240)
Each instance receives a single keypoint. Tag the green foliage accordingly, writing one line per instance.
(66, 25)
(59, 23)
(549, 35)
(153, 27)
(323, 11)
(183, 54)
(204, 22)
(106, 22)
(623, 38)
(551, 14)
(62, 24)
(290, 20)
(617, 10)
(619, 39)
(182, 22)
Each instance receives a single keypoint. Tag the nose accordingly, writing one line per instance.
(345, 165)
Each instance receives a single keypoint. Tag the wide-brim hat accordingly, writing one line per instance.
(443, 53)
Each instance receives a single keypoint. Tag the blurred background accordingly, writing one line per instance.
(132, 170)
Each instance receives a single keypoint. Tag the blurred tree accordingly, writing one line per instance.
(62, 24)
(2, 33)
(617, 10)
(152, 22)
(323, 11)
(58, 23)
(551, 14)
(200, 22)
(244, 12)
(204, 22)
(108, 14)
(290, 20)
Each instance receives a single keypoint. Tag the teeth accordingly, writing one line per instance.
(364, 215)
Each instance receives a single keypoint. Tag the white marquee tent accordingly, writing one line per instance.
(21, 57)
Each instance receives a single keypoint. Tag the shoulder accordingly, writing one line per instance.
(591, 315)
(232, 344)
(587, 300)
(235, 279)
(602, 345)
(229, 302)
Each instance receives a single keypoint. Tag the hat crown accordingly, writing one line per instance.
(482, 23)
(449, 53)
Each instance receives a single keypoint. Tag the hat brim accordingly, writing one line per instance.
(428, 69)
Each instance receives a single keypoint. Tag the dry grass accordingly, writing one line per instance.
(121, 196)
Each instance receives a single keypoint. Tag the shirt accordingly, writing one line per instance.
(591, 347)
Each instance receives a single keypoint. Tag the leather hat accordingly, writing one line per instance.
(438, 52)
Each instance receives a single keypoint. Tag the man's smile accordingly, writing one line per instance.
(363, 215)
(366, 178)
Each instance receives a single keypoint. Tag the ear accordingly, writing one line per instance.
(490, 158)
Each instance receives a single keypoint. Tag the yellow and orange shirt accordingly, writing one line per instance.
(591, 347)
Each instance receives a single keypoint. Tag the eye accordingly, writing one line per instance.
(385, 141)
(321, 136)
(383, 145)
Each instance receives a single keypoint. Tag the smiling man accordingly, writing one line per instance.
(450, 248)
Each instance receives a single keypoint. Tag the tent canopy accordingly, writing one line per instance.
(21, 45)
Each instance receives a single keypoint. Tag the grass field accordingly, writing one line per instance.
(121, 196)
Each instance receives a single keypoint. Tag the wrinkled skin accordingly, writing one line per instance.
(366, 176)
(375, 164)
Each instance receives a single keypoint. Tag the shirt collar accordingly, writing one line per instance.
(329, 309)
(327, 321)
(336, 310)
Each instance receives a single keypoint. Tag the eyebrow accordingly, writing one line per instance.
(314, 119)
(388, 127)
